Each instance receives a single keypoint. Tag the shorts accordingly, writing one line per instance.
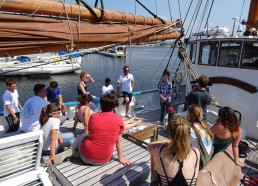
(13, 127)
(126, 94)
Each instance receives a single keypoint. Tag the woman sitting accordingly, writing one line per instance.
(105, 131)
(176, 162)
(83, 112)
(53, 141)
(201, 135)
(226, 131)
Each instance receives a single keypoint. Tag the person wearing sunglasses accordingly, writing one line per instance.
(125, 85)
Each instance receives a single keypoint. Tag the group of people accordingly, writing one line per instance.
(43, 110)
(191, 146)
(192, 143)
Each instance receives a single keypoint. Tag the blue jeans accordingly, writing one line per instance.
(95, 103)
(68, 138)
(163, 110)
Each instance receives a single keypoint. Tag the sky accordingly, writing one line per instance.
(221, 14)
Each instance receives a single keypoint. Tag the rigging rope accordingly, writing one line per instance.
(155, 16)
(70, 28)
(209, 13)
(196, 12)
(203, 15)
(89, 8)
(170, 10)
(242, 11)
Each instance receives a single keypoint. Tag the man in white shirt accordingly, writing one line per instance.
(11, 106)
(107, 88)
(32, 109)
(125, 86)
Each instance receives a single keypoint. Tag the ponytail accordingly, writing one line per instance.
(46, 113)
(44, 116)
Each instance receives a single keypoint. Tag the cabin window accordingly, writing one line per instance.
(193, 52)
(229, 54)
(208, 53)
(250, 55)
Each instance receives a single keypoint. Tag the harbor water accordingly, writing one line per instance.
(146, 64)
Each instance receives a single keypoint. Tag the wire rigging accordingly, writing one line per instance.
(209, 13)
(193, 19)
(169, 7)
(202, 16)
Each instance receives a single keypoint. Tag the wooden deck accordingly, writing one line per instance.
(75, 172)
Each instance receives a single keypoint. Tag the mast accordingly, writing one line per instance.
(253, 15)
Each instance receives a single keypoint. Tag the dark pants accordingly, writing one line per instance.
(13, 127)
(163, 110)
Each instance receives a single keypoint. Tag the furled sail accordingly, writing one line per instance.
(28, 27)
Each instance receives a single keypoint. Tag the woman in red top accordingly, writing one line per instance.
(105, 131)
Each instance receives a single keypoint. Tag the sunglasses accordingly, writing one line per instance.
(126, 70)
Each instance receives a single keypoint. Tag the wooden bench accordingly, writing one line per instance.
(20, 155)
(75, 172)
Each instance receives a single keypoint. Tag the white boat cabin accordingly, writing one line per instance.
(231, 63)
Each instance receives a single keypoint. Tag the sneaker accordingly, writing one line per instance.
(59, 158)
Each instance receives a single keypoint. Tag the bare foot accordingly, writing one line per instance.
(131, 120)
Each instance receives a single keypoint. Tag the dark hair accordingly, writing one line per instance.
(38, 88)
(83, 99)
(125, 67)
(107, 80)
(166, 72)
(108, 102)
(228, 119)
(10, 82)
(203, 81)
(47, 111)
(53, 84)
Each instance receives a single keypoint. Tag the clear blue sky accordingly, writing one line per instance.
(222, 13)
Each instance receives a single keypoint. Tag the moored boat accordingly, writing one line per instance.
(117, 51)
(55, 64)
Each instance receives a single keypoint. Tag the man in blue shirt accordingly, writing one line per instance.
(54, 93)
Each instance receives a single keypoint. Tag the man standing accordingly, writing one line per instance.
(54, 93)
(11, 106)
(125, 86)
(32, 109)
(200, 96)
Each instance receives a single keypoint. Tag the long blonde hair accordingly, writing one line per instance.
(179, 131)
(195, 115)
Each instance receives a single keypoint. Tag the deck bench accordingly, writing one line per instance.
(20, 155)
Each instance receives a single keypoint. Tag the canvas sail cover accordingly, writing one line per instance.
(21, 33)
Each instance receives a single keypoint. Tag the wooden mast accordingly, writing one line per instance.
(55, 8)
(253, 15)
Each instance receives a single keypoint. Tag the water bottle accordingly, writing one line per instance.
(171, 113)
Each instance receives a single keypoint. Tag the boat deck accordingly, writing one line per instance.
(75, 172)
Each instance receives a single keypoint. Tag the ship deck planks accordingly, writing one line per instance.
(74, 172)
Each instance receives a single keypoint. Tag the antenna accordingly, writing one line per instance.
(234, 18)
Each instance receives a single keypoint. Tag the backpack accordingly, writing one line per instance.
(204, 156)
